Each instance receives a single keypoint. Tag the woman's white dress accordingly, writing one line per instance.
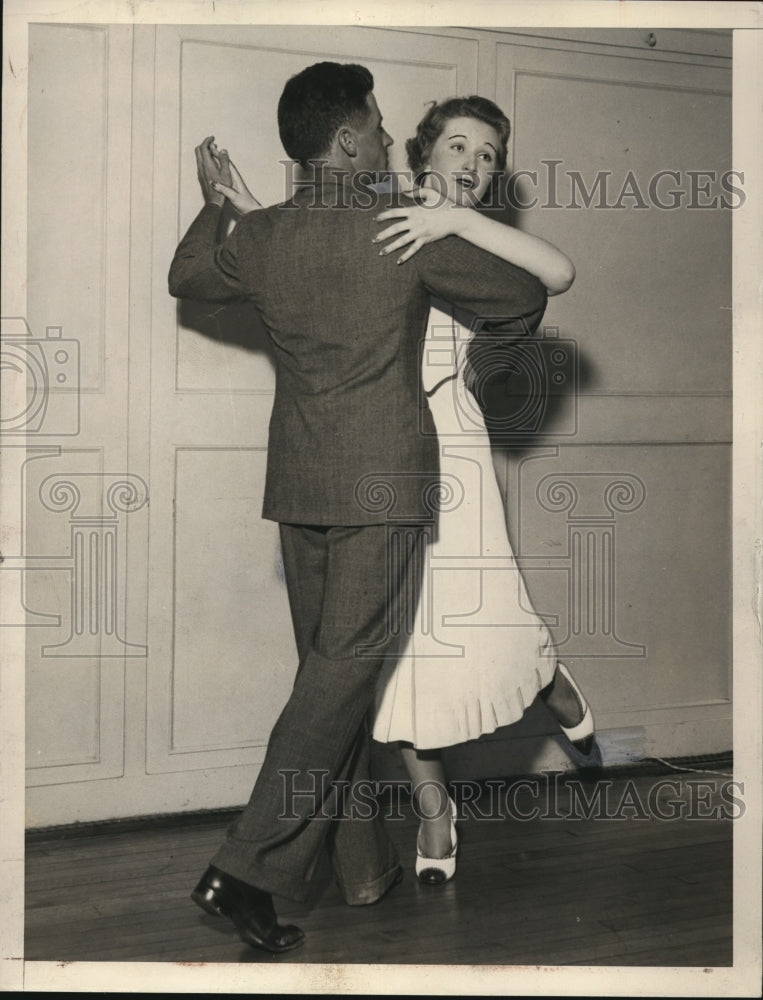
(478, 654)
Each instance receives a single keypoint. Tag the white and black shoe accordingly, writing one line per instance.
(579, 740)
(437, 871)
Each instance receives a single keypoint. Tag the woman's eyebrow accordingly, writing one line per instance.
(459, 136)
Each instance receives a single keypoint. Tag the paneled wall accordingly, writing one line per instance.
(620, 518)
(159, 640)
(79, 487)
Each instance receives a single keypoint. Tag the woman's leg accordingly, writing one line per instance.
(561, 700)
(427, 774)
(572, 712)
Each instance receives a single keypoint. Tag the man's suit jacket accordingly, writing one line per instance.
(351, 438)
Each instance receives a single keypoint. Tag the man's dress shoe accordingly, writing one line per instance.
(250, 910)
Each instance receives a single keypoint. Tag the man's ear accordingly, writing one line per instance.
(347, 141)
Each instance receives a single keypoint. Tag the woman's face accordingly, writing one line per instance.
(463, 159)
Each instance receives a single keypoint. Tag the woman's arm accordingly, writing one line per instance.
(435, 217)
(541, 258)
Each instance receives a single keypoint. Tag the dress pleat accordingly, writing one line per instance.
(478, 654)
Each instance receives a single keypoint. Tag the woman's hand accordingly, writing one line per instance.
(232, 186)
(431, 218)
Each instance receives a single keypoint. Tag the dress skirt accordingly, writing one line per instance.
(478, 654)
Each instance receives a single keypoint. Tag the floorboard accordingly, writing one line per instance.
(615, 890)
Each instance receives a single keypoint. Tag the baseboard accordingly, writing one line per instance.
(717, 763)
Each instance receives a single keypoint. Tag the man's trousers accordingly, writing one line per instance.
(353, 594)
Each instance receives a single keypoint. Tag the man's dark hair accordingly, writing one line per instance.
(317, 102)
(431, 127)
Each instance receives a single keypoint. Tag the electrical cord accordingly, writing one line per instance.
(695, 770)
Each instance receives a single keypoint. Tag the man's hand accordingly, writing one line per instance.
(212, 166)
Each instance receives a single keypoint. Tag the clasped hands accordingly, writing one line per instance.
(220, 180)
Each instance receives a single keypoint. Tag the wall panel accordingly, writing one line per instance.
(176, 398)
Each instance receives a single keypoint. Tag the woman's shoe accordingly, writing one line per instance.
(437, 871)
(580, 738)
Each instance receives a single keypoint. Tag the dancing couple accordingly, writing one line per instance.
(347, 286)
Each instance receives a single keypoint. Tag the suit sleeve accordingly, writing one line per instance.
(493, 290)
(204, 269)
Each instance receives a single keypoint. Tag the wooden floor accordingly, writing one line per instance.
(573, 891)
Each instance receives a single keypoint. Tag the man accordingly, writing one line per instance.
(352, 462)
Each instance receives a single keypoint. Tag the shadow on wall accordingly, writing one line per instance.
(520, 748)
(535, 402)
(527, 386)
(237, 324)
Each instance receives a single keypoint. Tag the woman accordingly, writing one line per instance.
(455, 682)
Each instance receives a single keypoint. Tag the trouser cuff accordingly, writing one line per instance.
(364, 893)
